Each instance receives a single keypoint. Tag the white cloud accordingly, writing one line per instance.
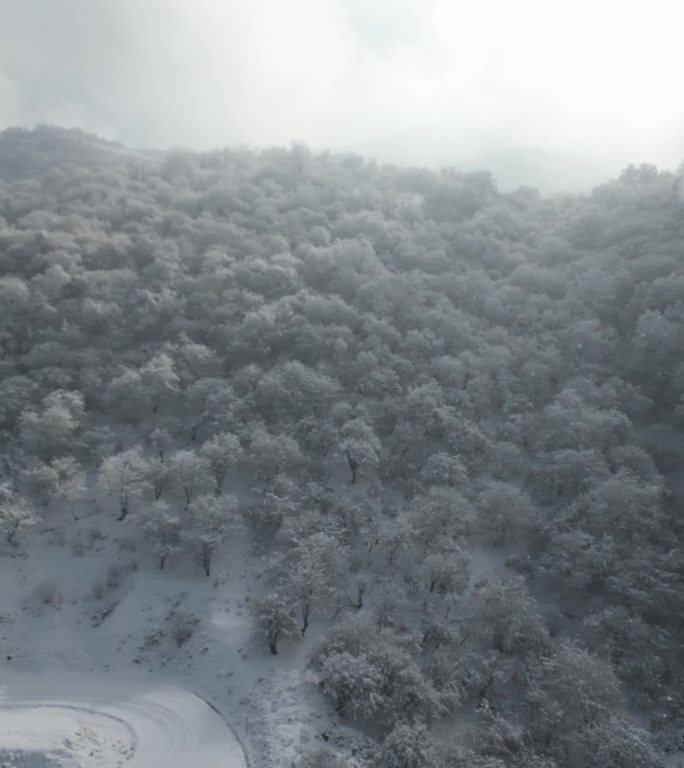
(441, 78)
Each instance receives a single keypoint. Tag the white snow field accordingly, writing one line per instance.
(77, 600)
(98, 721)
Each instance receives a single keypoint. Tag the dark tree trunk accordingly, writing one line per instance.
(484, 689)
(306, 612)
(206, 560)
(360, 592)
(372, 546)
(162, 561)
(12, 533)
(353, 466)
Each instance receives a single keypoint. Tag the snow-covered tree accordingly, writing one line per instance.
(275, 619)
(322, 759)
(50, 430)
(210, 404)
(370, 673)
(353, 682)
(126, 475)
(159, 440)
(69, 482)
(361, 447)
(62, 478)
(443, 469)
(221, 452)
(189, 472)
(408, 745)
(126, 397)
(617, 743)
(158, 474)
(210, 519)
(448, 570)
(504, 617)
(193, 361)
(441, 512)
(271, 455)
(280, 501)
(309, 576)
(16, 515)
(16, 395)
(163, 530)
(505, 514)
(159, 380)
(570, 690)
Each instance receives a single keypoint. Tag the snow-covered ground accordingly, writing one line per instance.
(86, 597)
(96, 721)
(83, 598)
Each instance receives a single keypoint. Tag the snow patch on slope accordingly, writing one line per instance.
(96, 721)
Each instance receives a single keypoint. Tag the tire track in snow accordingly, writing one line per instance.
(168, 726)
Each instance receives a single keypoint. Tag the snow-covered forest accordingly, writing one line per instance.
(384, 463)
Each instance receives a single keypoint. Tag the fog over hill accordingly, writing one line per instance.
(512, 167)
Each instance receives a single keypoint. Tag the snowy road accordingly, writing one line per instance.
(97, 721)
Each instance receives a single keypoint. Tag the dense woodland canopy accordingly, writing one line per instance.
(384, 375)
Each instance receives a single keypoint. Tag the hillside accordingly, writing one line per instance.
(382, 463)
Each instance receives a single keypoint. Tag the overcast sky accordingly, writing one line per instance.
(587, 83)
